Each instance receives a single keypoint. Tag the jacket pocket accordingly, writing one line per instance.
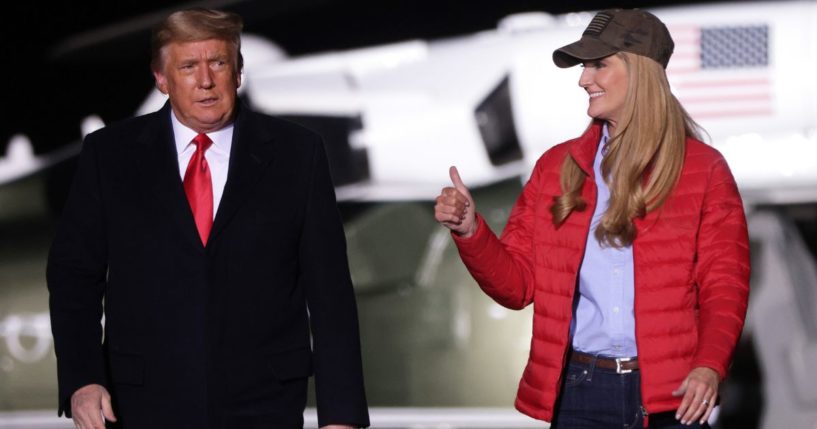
(127, 369)
(256, 380)
(291, 364)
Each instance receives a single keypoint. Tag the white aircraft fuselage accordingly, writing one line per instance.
(493, 102)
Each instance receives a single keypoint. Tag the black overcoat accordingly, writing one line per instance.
(222, 336)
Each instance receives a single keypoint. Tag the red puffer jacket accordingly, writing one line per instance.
(691, 260)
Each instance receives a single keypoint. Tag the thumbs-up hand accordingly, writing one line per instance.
(455, 208)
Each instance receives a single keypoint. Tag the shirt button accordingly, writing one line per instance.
(615, 310)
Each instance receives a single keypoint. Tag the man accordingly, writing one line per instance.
(210, 232)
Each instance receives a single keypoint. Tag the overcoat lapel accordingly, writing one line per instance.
(159, 166)
(252, 152)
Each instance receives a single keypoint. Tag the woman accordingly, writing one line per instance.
(630, 241)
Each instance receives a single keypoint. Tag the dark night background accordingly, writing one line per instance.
(54, 77)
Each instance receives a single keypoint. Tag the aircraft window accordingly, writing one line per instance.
(494, 118)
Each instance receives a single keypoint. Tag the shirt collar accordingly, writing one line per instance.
(222, 139)
(605, 137)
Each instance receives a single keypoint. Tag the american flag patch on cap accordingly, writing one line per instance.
(598, 24)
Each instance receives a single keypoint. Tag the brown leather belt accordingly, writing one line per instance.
(621, 365)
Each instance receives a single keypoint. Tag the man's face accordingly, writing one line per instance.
(201, 79)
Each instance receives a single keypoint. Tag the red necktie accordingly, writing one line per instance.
(199, 187)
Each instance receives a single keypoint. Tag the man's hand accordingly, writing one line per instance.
(455, 208)
(700, 391)
(91, 406)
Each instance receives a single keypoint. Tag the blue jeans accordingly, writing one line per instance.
(600, 398)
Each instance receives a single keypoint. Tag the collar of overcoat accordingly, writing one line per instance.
(251, 153)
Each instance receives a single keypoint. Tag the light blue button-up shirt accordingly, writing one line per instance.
(603, 319)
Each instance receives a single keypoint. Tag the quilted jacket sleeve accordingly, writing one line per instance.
(503, 268)
(722, 270)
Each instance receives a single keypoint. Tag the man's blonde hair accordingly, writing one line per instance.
(193, 25)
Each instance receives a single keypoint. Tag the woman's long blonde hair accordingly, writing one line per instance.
(643, 159)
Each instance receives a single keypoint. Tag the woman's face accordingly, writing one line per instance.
(605, 81)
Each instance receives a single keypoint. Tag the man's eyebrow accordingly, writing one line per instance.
(218, 56)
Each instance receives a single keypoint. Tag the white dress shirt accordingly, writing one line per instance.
(217, 156)
(603, 317)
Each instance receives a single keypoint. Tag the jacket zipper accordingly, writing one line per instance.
(576, 286)
(646, 416)
(635, 334)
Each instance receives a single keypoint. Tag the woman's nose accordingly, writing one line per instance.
(585, 79)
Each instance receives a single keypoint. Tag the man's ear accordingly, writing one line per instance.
(161, 81)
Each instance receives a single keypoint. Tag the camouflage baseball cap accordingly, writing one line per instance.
(615, 30)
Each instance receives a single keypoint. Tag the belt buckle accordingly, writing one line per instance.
(619, 369)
